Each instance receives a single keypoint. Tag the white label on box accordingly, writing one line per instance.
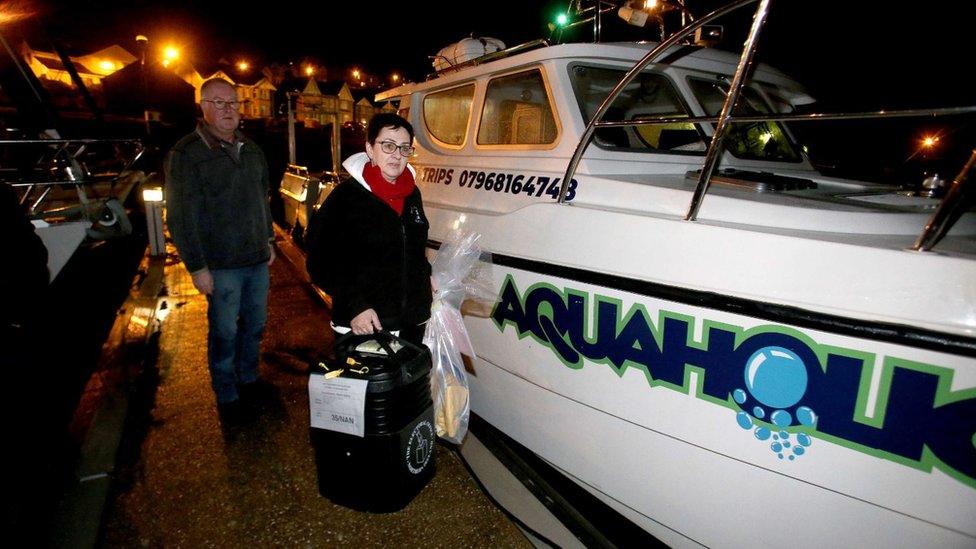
(337, 404)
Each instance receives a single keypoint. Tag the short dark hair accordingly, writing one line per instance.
(386, 120)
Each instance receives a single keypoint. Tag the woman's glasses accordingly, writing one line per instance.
(388, 147)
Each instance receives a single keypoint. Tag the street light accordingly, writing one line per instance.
(355, 74)
(170, 54)
(309, 70)
(396, 77)
(243, 66)
(926, 144)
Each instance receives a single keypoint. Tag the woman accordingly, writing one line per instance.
(367, 241)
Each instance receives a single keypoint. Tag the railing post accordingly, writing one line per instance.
(721, 130)
(652, 55)
(952, 207)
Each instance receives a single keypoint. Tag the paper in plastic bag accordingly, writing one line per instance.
(458, 274)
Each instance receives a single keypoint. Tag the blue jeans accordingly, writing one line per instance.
(237, 311)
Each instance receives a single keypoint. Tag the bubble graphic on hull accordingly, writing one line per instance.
(776, 377)
(775, 382)
(806, 416)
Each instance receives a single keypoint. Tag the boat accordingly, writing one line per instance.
(68, 200)
(302, 190)
(699, 338)
(74, 189)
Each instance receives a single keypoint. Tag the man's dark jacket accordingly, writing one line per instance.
(366, 256)
(217, 205)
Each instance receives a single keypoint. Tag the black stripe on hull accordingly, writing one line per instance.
(780, 314)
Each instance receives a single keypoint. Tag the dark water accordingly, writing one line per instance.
(42, 388)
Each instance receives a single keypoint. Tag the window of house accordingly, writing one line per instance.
(447, 112)
(517, 111)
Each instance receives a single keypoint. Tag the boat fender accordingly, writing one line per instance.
(466, 50)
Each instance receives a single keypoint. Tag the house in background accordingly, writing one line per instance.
(256, 93)
(157, 93)
(318, 103)
(92, 67)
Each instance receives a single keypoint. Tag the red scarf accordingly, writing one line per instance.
(394, 193)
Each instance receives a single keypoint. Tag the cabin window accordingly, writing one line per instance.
(517, 111)
(749, 140)
(446, 114)
(649, 95)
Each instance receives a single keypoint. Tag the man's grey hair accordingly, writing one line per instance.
(213, 82)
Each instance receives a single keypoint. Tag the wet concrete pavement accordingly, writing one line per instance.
(186, 479)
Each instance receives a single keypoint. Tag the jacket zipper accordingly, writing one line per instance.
(403, 274)
(403, 257)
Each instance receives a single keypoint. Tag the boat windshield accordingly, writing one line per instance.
(749, 140)
(652, 95)
(649, 95)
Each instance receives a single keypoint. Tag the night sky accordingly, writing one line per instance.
(886, 54)
(852, 55)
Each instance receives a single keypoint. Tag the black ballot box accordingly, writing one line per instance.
(386, 468)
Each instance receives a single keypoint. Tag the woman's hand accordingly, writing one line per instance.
(365, 322)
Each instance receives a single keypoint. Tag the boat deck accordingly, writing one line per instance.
(181, 477)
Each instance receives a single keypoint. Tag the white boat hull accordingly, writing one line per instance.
(61, 241)
(675, 458)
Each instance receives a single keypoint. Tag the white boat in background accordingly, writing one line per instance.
(73, 189)
(718, 345)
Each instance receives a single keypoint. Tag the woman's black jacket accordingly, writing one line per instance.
(365, 256)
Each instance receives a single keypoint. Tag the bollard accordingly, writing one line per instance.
(153, 197)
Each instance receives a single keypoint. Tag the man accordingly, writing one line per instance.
(220, 219)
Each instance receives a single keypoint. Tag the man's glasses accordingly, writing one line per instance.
(220, 104)
(388, 147)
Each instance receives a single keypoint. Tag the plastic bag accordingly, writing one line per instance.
(458, 273)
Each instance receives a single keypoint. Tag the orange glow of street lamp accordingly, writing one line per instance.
(396, 77)
(355, 74)
(11, 12)
(309, 70)
(243, 66)
(170, 54)
(926, 145)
